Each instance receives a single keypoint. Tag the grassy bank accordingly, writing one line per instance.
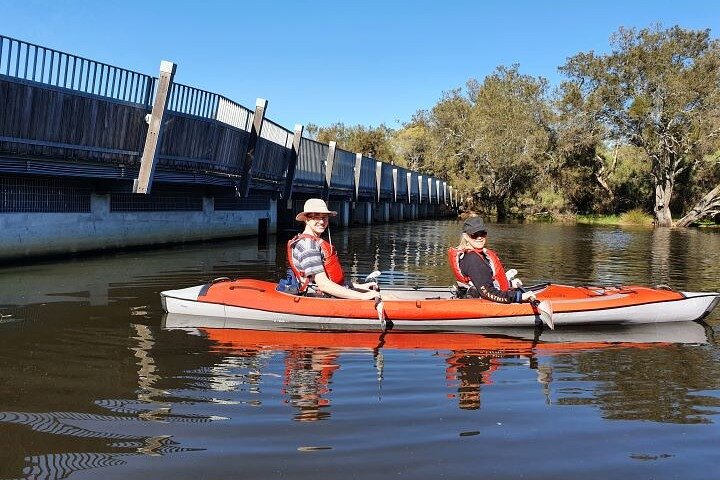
(632, 217)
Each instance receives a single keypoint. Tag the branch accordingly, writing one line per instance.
(707, 206)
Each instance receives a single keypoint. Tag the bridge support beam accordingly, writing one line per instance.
(343, 209)
(255, 130)
(362, 213)
(292, 162)
(143, 183)
(382, 212)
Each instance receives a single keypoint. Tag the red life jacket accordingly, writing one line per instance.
(499, 277)
(331, 261)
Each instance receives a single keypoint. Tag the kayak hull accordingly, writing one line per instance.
(435, 309)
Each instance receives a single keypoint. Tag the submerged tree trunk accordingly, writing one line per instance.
(501, 209)
(708, 206)
(663, 194)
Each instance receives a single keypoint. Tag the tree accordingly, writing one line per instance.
(582, 163)
(493, 139)
(412, 143)
(375, 142)
(658, 90)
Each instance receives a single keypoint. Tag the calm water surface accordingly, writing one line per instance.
(96, 382)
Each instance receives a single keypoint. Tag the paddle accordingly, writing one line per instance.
(544, 308)
(372, 277)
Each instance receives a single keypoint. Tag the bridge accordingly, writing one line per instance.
(95, 156)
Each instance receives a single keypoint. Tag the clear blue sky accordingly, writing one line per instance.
(358, 62)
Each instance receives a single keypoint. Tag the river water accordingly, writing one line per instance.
(96, 382)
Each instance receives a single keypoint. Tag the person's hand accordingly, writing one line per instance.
(371, 295)
(516, 283)
(366, 286)
(528, 297)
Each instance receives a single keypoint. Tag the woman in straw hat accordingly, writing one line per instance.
(315, 261)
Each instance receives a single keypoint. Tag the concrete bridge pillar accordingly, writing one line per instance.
(272, 216)
(382, 212)
(423, 210)
(407, 212)
(99, 206)
(362, 213)
(400, 212)
(343, 209)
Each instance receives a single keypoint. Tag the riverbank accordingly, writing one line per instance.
(633, 217)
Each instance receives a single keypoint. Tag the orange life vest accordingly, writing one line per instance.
(331, 261)
(499, 277)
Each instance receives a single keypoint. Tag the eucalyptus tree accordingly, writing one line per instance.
(412, 143)
(375, 142)
(493, 138)
(659, 90)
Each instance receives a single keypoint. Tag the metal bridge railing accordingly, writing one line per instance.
(193, 101)
(234, 114)
(276, 134)
(28, 62)
(35, 63)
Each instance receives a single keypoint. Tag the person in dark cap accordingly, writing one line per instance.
(479, 267)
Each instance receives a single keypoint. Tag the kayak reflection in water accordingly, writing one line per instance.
(480, 268)
(314, 261)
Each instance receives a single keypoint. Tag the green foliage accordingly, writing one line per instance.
(375, 142)
(636, 216)
(635, 130)
(492, 138)
(412, 144)
(633, 217)
(658, 90)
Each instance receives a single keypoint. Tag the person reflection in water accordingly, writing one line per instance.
(471, 371)
(308, 373)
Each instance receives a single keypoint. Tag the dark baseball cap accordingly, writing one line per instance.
(474, 225)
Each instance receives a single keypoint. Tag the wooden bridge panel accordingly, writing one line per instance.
(271, 160)
(51, 123)
(386, 182)
(192, 141)
(343, 177)
(310, 170)
(367, 185)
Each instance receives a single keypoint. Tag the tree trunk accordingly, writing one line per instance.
(663, 194)
(501, 210)
(707, 206)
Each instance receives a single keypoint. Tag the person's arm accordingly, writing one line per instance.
(331, 288)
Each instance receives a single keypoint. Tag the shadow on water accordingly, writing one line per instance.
(95, 376)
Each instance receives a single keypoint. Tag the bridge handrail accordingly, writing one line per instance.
(25, 63)
(28, 61)
(276, 133)
(202, 103)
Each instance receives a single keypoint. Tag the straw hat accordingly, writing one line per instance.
(314, 205)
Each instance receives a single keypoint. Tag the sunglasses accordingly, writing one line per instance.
(476, 235)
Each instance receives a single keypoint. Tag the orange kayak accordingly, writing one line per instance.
(435, 308)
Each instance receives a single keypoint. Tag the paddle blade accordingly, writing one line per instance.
(381, 312)
(545, 310)
(372, 276)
